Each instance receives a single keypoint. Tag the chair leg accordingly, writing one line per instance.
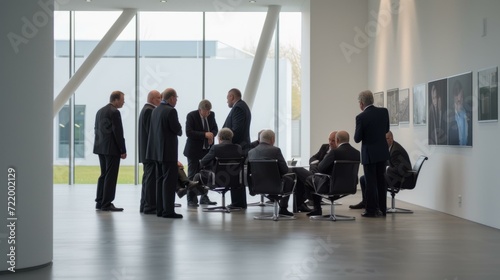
(393, 208)
(260, 203)
(223, 208)
(275, 216)
(332, 216)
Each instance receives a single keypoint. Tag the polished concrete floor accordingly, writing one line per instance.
(94, 245)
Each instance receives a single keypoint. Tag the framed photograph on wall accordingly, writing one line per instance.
(419, 105)
(436, 106)
(392, 106)
(378, 99)
(404, 105)
(460, 110)
(487, 88)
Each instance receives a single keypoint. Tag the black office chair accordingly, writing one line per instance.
(341, 182)
(408, 183)
(264, 178)
(228, 174)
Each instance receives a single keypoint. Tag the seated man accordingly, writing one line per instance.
(323, 151)
(266, 150)
(225, 149)
(397, 167)
(184, 184)
(344, 151)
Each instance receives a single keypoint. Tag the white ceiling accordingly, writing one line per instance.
(180, 5)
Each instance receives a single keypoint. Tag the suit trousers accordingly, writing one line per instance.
(148, 192)
(166, 183)
(376, 189)
(193, 169)
(106, 184)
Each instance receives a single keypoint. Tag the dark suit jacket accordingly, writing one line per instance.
(238, 121)
(196, 135)
(144, 121)
(163, 132)
(225, 149)
(343, 152)
(320, 154)
(109, 132)
(399, 163)
(267, 151)
(371, 126)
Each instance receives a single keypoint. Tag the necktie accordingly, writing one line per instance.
(205, 128)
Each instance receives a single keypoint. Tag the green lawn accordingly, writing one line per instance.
(89, 174)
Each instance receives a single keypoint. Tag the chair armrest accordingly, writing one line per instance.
(207, 175)
(321, 183)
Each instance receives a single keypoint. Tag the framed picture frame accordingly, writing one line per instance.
(437, 99)
(392, 106)
(378, 99)
(419, 105)
(487, 95)
(460, 110)
(404, 105)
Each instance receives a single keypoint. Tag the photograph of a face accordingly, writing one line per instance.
(392, 106)
(419, 105)
(404, 105)
(437, 101)
(460, 110)
(487, 88)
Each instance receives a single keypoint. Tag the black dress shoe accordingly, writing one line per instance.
(369, 214)
(315, 212)
(192, 204)
(205, 200)
(234, 206)
(360, 205)
(285, 212)
(111, 207)
(98, 207)
(181, 192)
(303, 208)
(173, 216)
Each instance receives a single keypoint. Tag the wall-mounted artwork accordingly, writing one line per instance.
(487, 88)
(437, 101)
(378, 99)
(404, 105)
(419, 105)
(392, 106)
(460, 110)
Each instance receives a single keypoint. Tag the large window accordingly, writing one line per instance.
(79, 131)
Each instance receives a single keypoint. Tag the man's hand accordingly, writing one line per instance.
(123, 156)
(210, 137)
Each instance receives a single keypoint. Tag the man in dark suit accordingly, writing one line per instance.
(148, 192)
(323, 150)
(266, 150)
(344, 151)
(371, 126)
(162, 148)
(397, 167)
(109, 144)
(225, 149)
(238, 121)
(201, 129)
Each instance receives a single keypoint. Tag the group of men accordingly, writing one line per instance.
(159, 129)
(384, 160)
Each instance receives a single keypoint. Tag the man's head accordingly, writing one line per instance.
(389, 138)
(225, 134)
(267, 136)
(154, 97)
(331, 140)
(117, 98)
(233, 96)
(204, 108)
(434, 96)
(170, 96)
(365, 99)
(342, 137)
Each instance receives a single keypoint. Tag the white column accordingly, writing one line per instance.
(26, 125)
(93, 58)
(259, 60)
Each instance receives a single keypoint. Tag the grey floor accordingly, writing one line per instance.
(132, 246)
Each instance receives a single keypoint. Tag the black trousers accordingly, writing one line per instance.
(106, 184)
(376, 189)
(193, 169)
(165, 187)
(148, 192)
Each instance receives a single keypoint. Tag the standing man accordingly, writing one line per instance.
(109, 144)
(201, 129)
(238, 121)
(162, 148)
(371, 126)
(148, 196)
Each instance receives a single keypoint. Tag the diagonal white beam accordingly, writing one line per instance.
(94, 57)
(259, 60)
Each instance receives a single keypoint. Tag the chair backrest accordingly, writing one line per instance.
(344, 177)
(410, 182)
(264, 177)
(228, 172)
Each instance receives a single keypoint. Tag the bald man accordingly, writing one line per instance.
(148, 196)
